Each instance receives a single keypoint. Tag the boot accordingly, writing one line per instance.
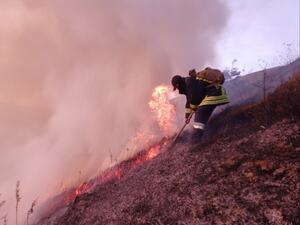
(196, 136)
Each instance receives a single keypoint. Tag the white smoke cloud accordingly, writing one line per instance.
(76, 76)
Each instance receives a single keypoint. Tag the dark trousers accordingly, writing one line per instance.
(202, 116)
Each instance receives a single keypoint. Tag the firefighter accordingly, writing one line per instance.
(204, 92)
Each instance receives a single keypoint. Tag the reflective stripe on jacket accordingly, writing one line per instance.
(202, 92)
(216, 100)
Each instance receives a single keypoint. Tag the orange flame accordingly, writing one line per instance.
(152, 152)
(140, 141)
(165, 116)
(114, 173)
(163, 110)
(83, 188)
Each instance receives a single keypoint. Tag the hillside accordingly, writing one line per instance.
(250, 87)
(246, 173)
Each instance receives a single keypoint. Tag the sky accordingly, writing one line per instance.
(76, 75)
(258, 32)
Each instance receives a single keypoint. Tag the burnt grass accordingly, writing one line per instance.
(248, 173)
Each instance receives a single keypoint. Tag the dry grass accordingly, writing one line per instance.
(2, 202)
(18, 199)
(248, 181)
(4, 218)
(31, 210)
(284, 103)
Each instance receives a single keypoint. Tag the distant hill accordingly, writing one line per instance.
(250, 88)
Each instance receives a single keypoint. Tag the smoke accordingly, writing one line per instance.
(76, 77)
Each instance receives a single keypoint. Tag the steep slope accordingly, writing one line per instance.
(248, 173)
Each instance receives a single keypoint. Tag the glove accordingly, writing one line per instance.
(187, 115)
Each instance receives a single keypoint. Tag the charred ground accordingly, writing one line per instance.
(246, 173)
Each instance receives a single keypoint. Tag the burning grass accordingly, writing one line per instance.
(163, 111)
(229, 181)
(165, 116)
(119, 170)
(222, 183)
(112, 174)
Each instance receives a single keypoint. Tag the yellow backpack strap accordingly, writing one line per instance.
(200, 78)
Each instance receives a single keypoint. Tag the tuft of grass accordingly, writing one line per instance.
(2, 202)
(18, 199)
(284, 103)
(4, 218)
(31, 210)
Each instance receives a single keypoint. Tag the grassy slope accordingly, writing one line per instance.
(283, 103)
(248, 173)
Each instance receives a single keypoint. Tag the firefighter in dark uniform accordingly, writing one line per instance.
(202, 96)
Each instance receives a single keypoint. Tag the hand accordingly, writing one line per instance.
(187, 115)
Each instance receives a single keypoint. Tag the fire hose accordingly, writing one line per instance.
(181, 130)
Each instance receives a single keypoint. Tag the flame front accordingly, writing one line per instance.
(152, 152)
(165, 115)
(163, 110)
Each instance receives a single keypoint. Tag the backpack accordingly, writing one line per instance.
(213, 76)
